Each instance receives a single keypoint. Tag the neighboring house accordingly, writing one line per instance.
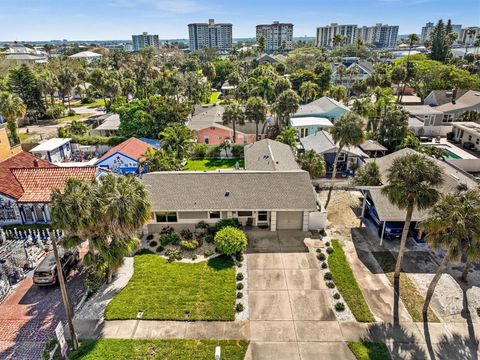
(269, 155)
(467, 134)
(28, 59)
(309, 125)
(322, 143)
(125, 157)
(429, 115)
(440, 97)
(373, 148)
(270, 59)
(208, 125)
(277, 200)
(54, 150)
(88, 56)
(109, 127)
(364, 69)
(388, 217)
(324, 107)
(459, 104)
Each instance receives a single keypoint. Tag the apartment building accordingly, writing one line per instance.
(278, 36)
(426, 31)
(325, 34)
(379, 35)
(465, 39)
(145, 40)
(210, 35)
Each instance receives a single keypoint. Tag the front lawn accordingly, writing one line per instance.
(347, 284)
(71, 118)
(214, 97)
(161, 349)
(212, 164)
(96, 103)
(369, 350)
(177, 291)
(409, 294)
(25, 138)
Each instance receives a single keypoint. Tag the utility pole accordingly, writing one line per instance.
(63, 290)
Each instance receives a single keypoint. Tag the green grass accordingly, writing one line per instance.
(177, 291)
(96, 103)
(74, 117)
(369, 350)
(213, 164)
(409, 294)
(25, 138)
(214, 97)
(347, 284)
(161, 349)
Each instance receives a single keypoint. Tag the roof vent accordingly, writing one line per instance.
(227, 193)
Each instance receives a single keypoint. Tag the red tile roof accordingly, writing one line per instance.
(38, 183)
(132, 147)
(9, 184)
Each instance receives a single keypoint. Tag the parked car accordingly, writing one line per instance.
(46, 272)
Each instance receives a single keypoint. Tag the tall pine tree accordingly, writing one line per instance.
(440, 42)
(22, 81)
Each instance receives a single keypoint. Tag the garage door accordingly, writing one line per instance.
(289, 220)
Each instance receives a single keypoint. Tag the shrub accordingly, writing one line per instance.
(94, 280)
(319, 251)
(186, 234)
(49, 347)
(327, 244)
(336, 296)
(324, 265)
(339, 306)
(167, 230)
(189, 245)
(200, 151)
(214, 152)
(150, 237)
(328, 276)
(208, 252)
(55, 111)
(239, 264)
(237, 151)
(231, 240)
(239, 295)
(330, 285)
(98, 140)
(159, 249)
(209, 238)
(239, 286)
(239, 256)
(329, 250)
(219, 225)
(153, 243)
(87, 100)
(321, 257)
(240, 277)
(323, 232)
(71, 112)
(239, 307)
(202, 225)
(166, 239)
(173, 254)
(194, 257)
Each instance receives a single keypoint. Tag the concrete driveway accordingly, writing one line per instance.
(291, 314)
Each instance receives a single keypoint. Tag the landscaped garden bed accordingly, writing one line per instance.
(161, 349)
(411, 297)
(364, 350)
(213, 164)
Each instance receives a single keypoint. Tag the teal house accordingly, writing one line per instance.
(324, 107)
(309, 125)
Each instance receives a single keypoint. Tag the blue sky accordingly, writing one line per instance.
(118, 19)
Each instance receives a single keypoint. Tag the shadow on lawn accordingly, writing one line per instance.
(221, 262)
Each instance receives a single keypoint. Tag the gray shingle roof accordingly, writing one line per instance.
(372, 145)
(322, 142)
(247, 190)
(452, 177)
(322, 105)
(269, 155)
(468, 100)
(442, 98)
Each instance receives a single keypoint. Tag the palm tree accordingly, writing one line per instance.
(411, 182)
(67, 81)
(288, 136)
(368, 175)
(313, 163)
(454, 225)
(347, 131)
(352, 71)
(287, 104)
(470, 34)
(309, 91)
(234, 115)
(338, 92)
(12, 108)
(265, 88)
(399, 75)
(341, 72)
(256, 111)
(358, 46)
(337, 40)
(179, 139)
(412, 40)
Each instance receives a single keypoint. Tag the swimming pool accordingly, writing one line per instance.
(451, 155)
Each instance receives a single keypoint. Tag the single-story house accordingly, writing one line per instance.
(109, 127)
(270, 59)
(322, 143)
(277, 200)
(388, 217)
(26, 184)
(125, 157)
(88, 56)
(373, 148)
(309, 125)
(467, 134)
(324, 107)
(54, 150)
(26, 58)
(208, 125)
(269, 155)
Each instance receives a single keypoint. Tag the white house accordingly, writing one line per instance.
(54, 150)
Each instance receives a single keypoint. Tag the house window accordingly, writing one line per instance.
(205, 140)
(447, 117)
(163, 217)
(342, 157)
(262, 216)
(244, 213)
(478, 141)
(214, 214)
(469, 137)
